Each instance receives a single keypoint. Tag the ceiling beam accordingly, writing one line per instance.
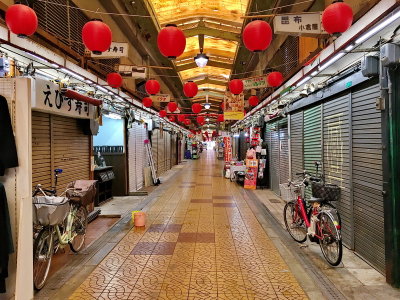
(211, 81)
(210, 63)
(202, 29)
(216, 52)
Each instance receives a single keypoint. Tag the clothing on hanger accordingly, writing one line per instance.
(6, 237)
(8, 150)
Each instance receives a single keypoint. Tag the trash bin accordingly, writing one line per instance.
(139, 218)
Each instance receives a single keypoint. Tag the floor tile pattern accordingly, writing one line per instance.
(202, 241)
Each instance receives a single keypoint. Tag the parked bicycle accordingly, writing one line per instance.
(62, 220)
(316, 218)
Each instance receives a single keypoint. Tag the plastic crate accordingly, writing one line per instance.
(288, 192)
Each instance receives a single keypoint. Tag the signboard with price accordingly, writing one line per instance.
(304, 24)
(161, 98)
(49, 99)
(255, 82)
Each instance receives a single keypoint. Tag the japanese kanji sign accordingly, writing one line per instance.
(132, 71)
(161, 98)
(116, 50)
(48, 98)
(304, 24)
(234, 106)
(255, 82)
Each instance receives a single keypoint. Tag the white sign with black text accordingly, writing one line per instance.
(48, 98)
(116, 50)
(132, 71)
(303, 24)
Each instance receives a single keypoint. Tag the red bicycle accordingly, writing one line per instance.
(315, 218)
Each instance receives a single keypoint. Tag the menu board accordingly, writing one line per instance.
(250, 180)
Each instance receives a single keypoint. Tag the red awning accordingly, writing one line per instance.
(77, 96)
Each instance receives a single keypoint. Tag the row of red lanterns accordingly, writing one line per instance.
(97, 36)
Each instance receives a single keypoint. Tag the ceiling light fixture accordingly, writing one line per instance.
(201, 60)
(207, 106)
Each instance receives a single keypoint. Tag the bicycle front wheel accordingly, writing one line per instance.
(79, 226)
(331, 240)
(42, 255)
(294, 223)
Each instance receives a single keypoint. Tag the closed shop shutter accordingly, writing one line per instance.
(132, 158)
(154, 147)
(168, 151)
(283, 151)
(41, 150)
(173, 150)
(71, 149)
(274, 160)
(268, 142)
(296, 143)
(161, 153)
(141, 159)
(58, 143)
(312, 140)
(336, 165)
(367, 176)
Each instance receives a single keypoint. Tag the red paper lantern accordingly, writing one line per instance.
(171, 118)
(275, 79)
(257, 36)
(253, 100)
(171, 41)
(337, 18)
(181, 118)
(114, 80)
(162, 113)
(187, 122)
(21, 20)
(97, 36)
(236, 86)
(220, 118)
(190, 89)
(196, 108)
(200, 119)
(172, 106)
(152, 87)
(147, 102)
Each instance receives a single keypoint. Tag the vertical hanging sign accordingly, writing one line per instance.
(227, 148)
(234, 106)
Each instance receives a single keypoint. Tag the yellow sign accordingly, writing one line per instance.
(234, 106)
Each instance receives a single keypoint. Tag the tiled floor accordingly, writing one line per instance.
(201, 241)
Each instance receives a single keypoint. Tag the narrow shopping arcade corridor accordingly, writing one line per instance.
(201, 241)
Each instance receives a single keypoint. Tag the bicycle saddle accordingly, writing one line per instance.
(313, 199)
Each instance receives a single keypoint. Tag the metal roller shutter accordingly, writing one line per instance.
(154, 147)
(174, 148)
(140, 155)
(132, 159)
(274, 158)
(161, 153)
(367, 176)
(41, 150)
(168, 151)
(283, 151)
(296, 143)
(268, 142)
(337, 157)
(58, 143)
(312, 148)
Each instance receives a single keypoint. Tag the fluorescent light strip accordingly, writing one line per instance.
(332, 61)
(38, 57)
(73, 74)
(375, 29)
(45, 74)
(304, 80)
(101, 88)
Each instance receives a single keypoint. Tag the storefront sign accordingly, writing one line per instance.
(48, 98)
(250, 180)
(255, 82)
(116, 50)
(132, 71)
(234, 106)
(309, 23)
(161, 98)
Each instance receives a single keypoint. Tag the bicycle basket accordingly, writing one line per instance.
(49, 210)
(288, 193)
(83, 191)
(328, 192)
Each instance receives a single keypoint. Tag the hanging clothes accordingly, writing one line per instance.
(8, 150)
(6, 237)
